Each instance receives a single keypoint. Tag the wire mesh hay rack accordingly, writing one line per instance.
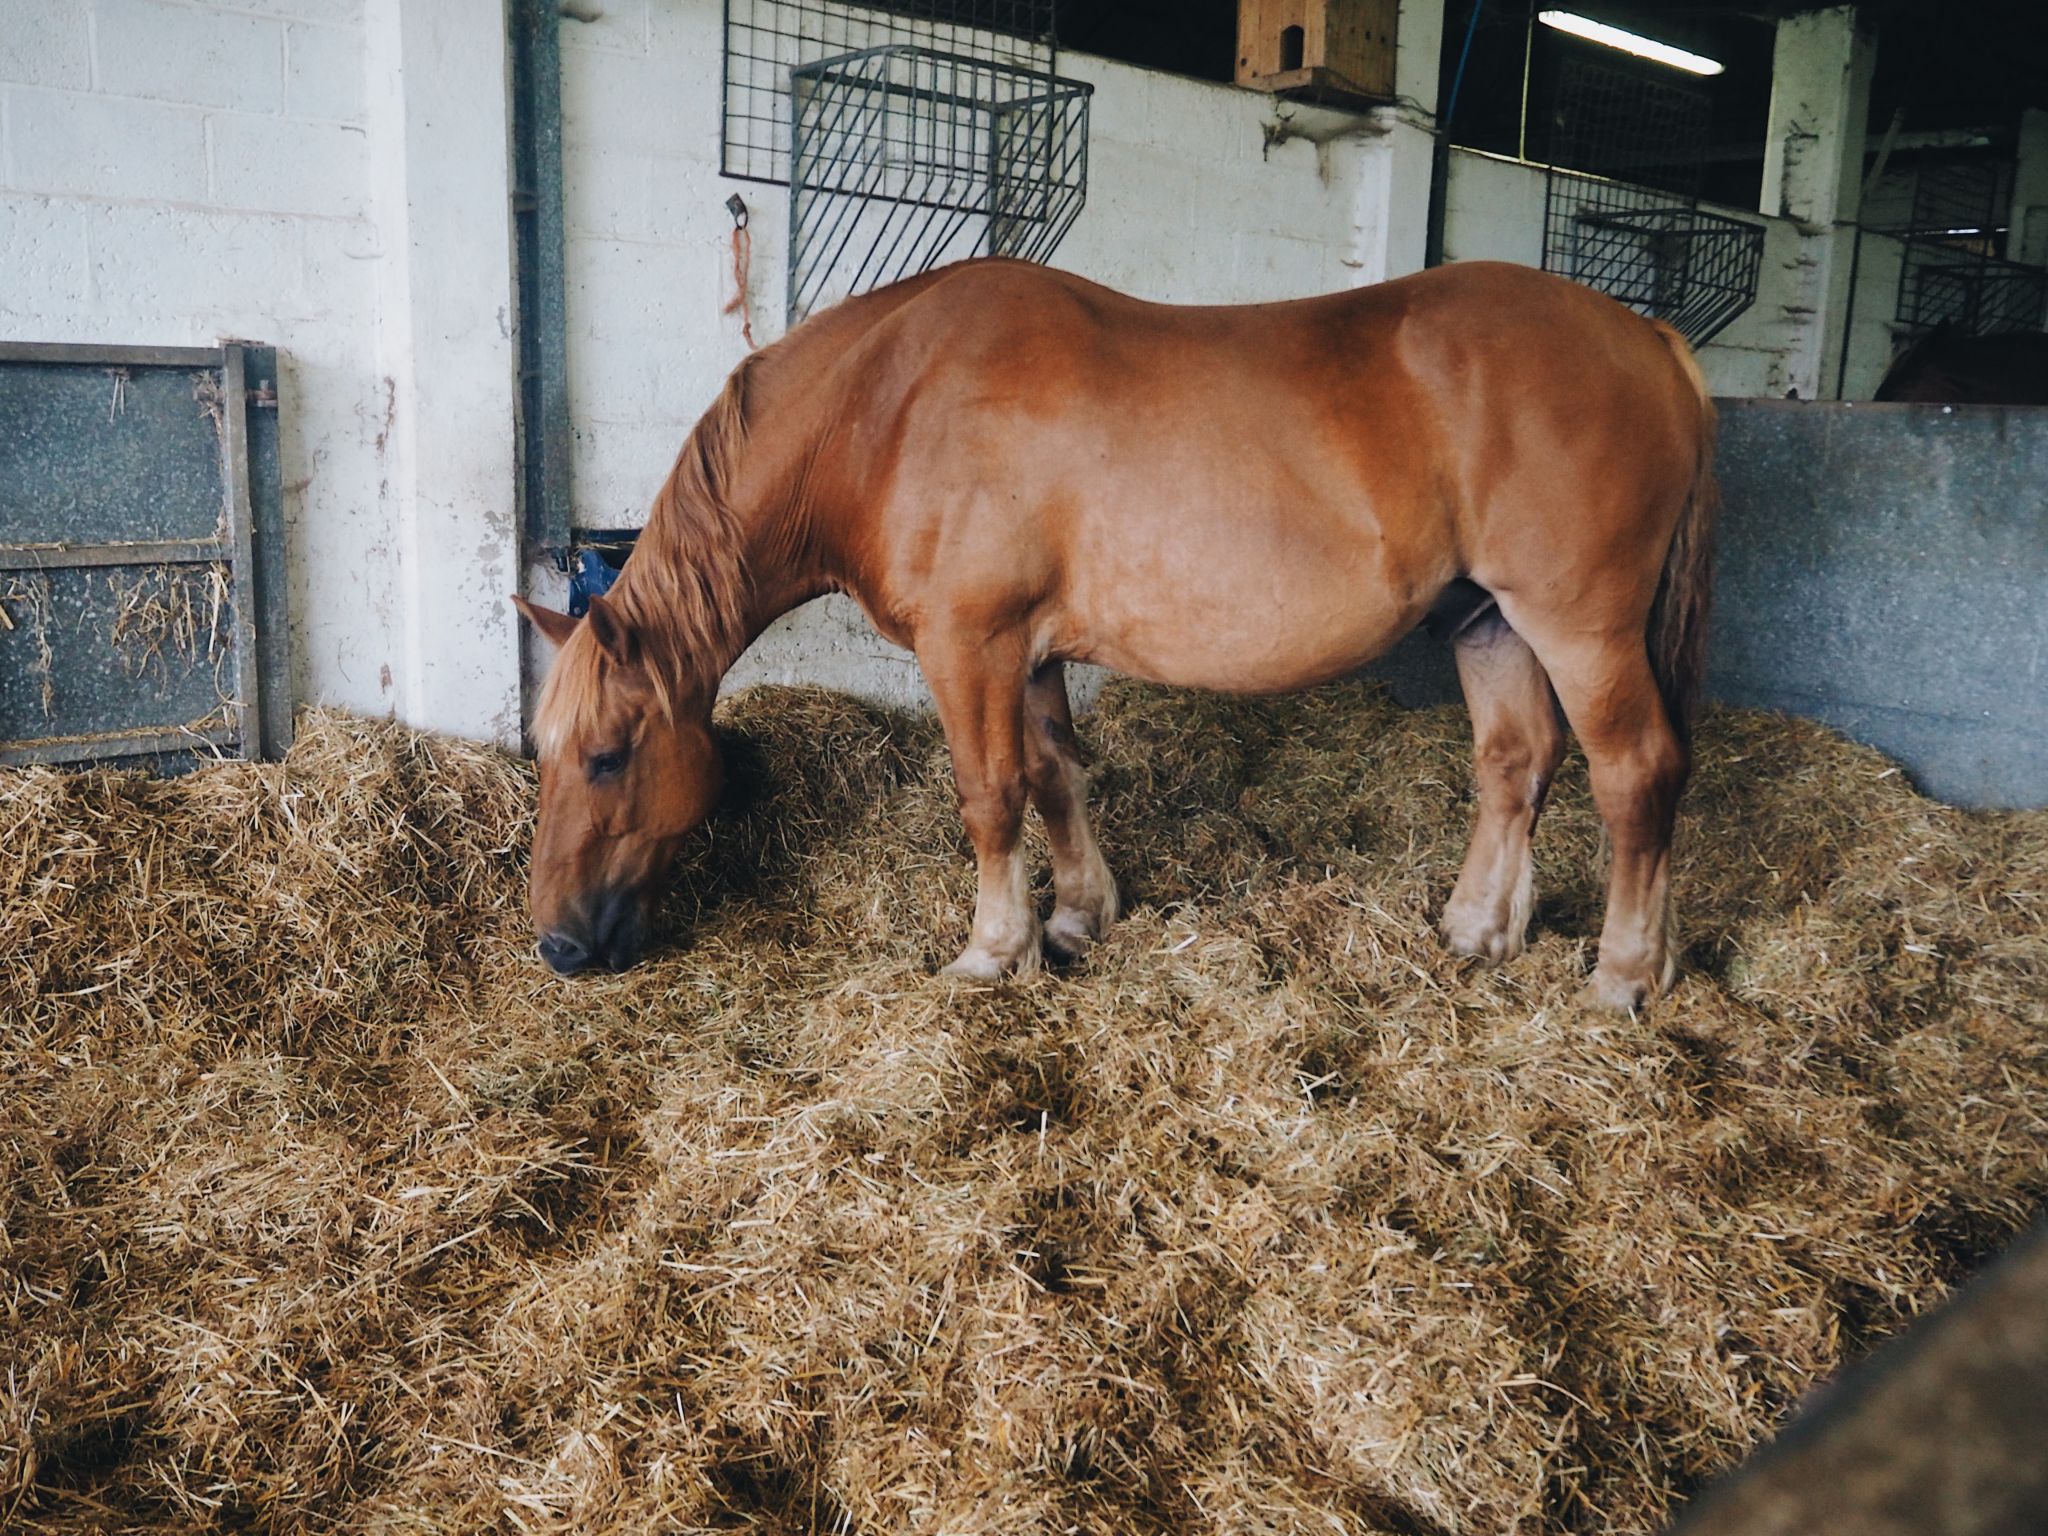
(1950, 270)
(1621, 202)
(910, 133)
(902, 158)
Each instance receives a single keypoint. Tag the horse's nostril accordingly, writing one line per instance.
(563, 954)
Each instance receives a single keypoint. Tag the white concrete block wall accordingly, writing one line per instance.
(175, 173)
(165, 51)
(440, 179)
(1189, 202)
(1493, 209)
(648, 246)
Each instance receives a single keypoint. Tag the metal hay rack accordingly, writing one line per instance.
(1621, 206)
(1950, 270)
(909, 132)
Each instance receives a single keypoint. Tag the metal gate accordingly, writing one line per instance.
(141, 555)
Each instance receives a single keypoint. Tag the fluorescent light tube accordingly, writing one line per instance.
(1628, 42)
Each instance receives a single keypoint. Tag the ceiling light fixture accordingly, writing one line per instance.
(1628, 42)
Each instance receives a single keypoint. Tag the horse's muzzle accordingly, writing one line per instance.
(610, 938)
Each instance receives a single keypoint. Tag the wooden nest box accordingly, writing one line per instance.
(1335, 51)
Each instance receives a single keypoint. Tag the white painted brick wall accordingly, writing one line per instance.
(101, 146)
(347, 12)
(174, 173)
(174, 52)
(286, 166)
(239, 271)
(44, 256)
(46, 42)
(323, 73)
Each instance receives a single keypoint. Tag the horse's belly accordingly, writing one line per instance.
(1248, 609)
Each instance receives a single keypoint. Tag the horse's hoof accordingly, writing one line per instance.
(1616, 993)
(1070, 933)
(1494, 943)
(975, 965)
(984, 965)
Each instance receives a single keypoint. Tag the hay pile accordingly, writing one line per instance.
(326, 1208)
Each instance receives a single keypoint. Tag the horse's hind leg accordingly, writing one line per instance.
(1638, 766)
(979, 690)
(1516, 747)
(1084, 891)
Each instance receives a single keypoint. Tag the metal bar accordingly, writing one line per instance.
(858, 146)
(823, 71)
(59, 557)
(266, 586)
(555, 433)
(1855, 262)
(896, 149)
(799, 100)
(105, 744)
(234, 450)
(868, 263)
(544, 429)
(725, 86)
(88, 353)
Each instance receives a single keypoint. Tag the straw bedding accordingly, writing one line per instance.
(326, 1208)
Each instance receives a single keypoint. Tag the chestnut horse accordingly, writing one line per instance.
(1009, 468)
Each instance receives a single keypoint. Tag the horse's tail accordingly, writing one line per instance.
(1685, 591)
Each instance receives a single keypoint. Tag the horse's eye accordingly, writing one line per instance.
(606, 764)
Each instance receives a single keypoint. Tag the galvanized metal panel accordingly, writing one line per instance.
(1884, 569)
(129, 578)
(152, 452)
(101, 652)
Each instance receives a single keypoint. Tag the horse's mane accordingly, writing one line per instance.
(684, 592)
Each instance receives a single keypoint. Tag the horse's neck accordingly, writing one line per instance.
(789, 402)
(793, 402)
(703, 590)
(784, 570)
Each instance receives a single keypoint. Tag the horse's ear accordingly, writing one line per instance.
(555, 628)
(612, 633)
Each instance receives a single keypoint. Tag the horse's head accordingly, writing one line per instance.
(626, 770)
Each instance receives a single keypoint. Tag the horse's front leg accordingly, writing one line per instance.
(979, 690)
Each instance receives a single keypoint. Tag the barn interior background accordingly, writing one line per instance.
(472, 223)
(326, 323)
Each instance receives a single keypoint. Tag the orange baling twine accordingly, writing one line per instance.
(742, 258)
